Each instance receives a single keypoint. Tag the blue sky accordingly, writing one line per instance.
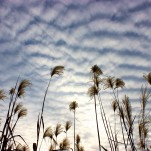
(37, 35)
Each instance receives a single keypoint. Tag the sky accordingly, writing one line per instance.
(37, 35)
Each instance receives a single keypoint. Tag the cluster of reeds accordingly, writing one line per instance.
(53, 133)
(144, 118)
(16, 111)
(49, 133)
(122, 109)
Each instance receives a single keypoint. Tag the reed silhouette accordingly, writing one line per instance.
(93, 91)
(79, 147)
(72, 106)
(57, 70)
(123, 109)
(67, 126)
(65, 144)
(15, 112)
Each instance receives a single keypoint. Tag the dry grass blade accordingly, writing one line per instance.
(128, 110)
(18, 107)
(78, 146)
(92, 91)
(146, 131)
(2, 95)
(22, 86)
(145, 95)
(48, 132)
(73, 105)
(22, 113)
(140, 129)
(96, 70)
(65, 144)
(148, 77)
(109, 82)
(58, 70)
(68, 124)
(119, 83)
(38, 128)
(121, 112)
(143, 133)
(58, 129)
(42, 120)
(54, 141)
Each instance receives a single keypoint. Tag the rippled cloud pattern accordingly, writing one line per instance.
(37, 35)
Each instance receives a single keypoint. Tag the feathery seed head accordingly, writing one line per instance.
(2, 95)
(73, 105)
(18, 107)
(58, 129)
(78, 139)
(68, 125)
(58, 70)
(22, 112)
(12, 91)
(25, 148)
(22, 86)
(65, 144)
(92, 91)
(109, 82)
(48, 132)
(119, 83)
(114, 105)
(96, 70)
(147, 77)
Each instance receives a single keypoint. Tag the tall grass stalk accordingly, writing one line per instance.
(8, 129)
(72, 106)
(57, 70)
